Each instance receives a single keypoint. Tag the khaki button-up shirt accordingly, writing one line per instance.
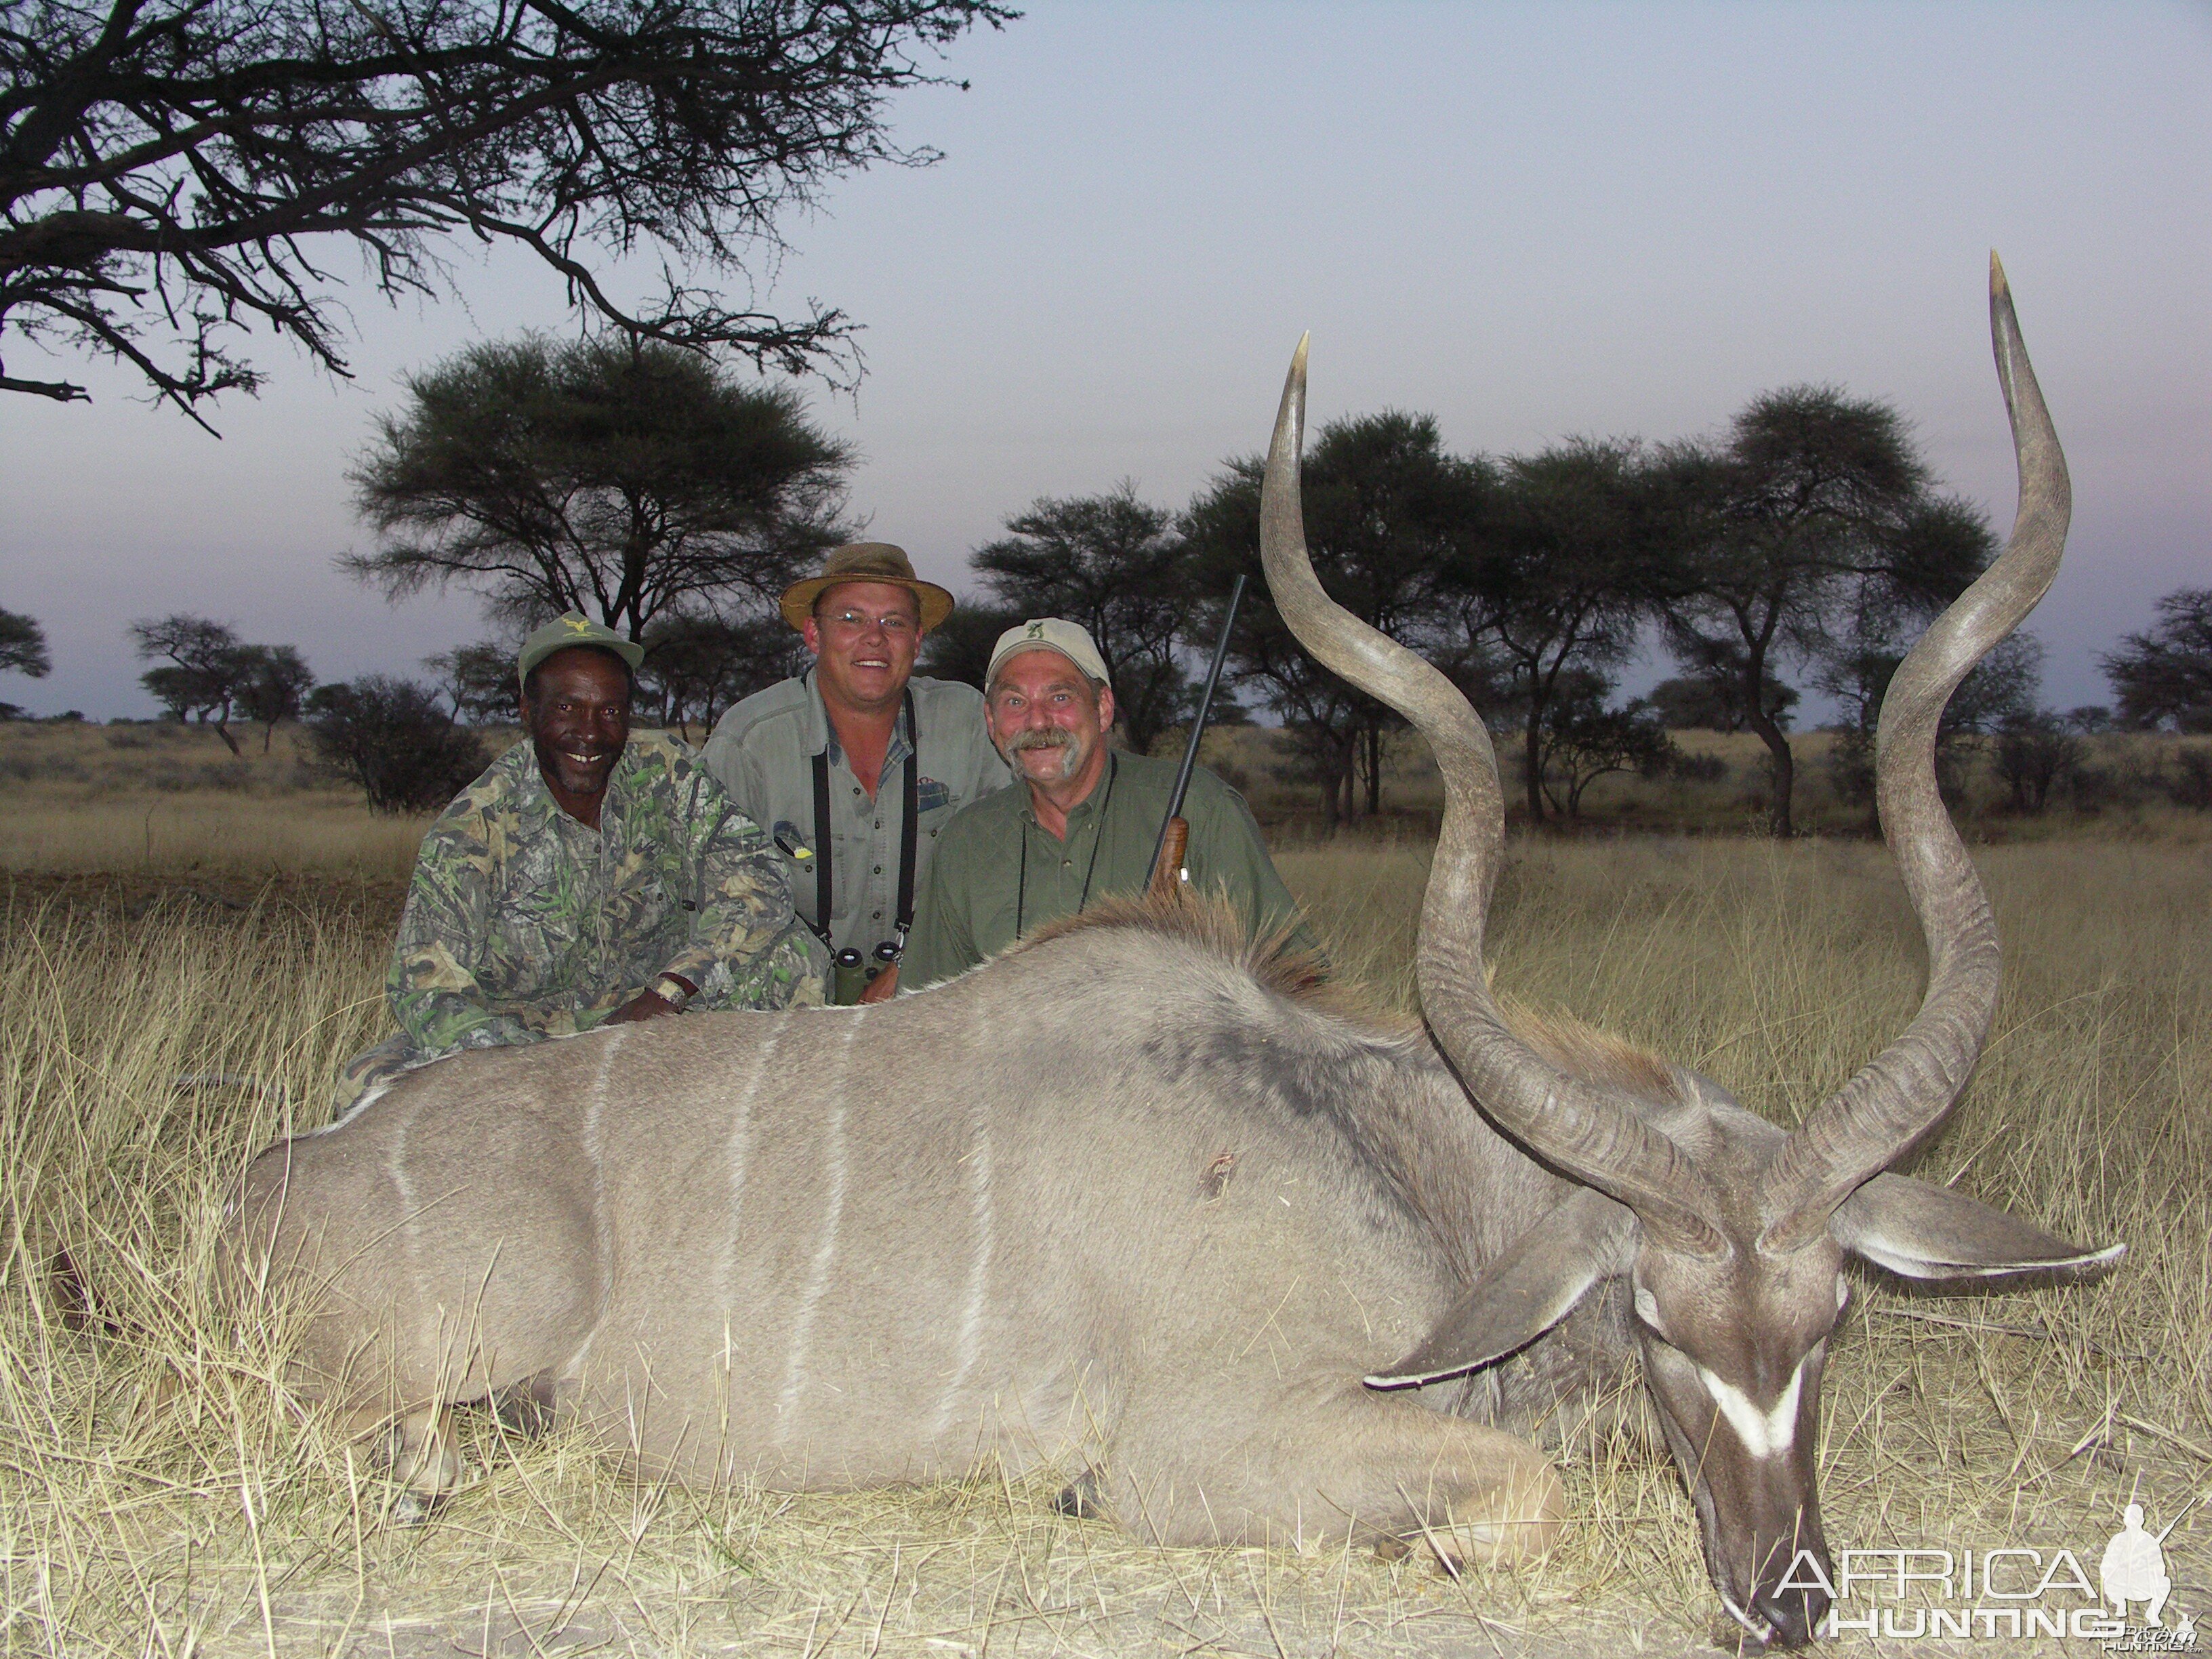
(762, 752)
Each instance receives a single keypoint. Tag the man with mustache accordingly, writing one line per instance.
(1084, 822)
(592, 876)
(856, 766)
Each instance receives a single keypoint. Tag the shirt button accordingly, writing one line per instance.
(879, 869)
(879, 915)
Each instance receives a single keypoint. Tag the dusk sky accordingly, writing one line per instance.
(1533, 222)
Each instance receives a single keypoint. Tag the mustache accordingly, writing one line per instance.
(1051, 737)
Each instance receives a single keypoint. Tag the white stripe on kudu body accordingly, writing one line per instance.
(979, 1272)
(740, 1148)
(1764, 1433)
(825, 1252)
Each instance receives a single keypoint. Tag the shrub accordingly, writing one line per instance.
(1699, 768)
(2191, 782)
(2035, 752)
(393, 738)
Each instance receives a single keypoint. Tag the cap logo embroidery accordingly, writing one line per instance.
(576, 624)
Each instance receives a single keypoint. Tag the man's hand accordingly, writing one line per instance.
(880, 988)
(644, 1006)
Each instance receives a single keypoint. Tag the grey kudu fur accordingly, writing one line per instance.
(1135, 1201)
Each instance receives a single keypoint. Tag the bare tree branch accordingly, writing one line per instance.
(163, 163)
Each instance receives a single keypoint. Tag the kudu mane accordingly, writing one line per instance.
(1212, 926)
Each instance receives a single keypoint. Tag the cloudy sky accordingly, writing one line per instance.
(1533, 222)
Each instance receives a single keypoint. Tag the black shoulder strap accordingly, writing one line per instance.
(909, 834)
(821, 846)
(910, 830)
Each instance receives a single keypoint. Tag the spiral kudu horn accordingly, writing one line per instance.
(1905, 1091)
(1584, 1130)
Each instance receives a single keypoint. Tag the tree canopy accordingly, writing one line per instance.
(626, 480)
(205, 671)
(1387, 513)
(1570, 557)
(23, 646)
(2163, 676)
(1815, 515)
(172, 170)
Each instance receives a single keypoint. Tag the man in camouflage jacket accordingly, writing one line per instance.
(590, 875)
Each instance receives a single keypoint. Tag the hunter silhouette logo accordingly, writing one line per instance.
(1037, 630)
(2134, 1570)
(2009, 1593)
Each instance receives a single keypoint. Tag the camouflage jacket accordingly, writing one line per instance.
(522, 923)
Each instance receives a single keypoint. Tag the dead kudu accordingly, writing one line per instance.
(1136, 1201)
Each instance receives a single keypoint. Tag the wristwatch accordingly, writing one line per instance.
(671, 990)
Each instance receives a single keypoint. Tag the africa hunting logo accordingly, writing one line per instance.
(2008, 1594)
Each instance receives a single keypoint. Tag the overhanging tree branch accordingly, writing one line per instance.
(162, 160)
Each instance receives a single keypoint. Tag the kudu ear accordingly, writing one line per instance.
(1521, 1294)
(1921, 1231)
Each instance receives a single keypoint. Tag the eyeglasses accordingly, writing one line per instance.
(894, 622)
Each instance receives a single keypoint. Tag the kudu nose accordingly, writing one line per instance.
(1791, 1614)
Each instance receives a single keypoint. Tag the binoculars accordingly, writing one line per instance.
(850, 974)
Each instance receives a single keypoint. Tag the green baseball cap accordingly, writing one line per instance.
(574, 629)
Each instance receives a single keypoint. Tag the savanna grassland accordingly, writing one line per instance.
(183, 965)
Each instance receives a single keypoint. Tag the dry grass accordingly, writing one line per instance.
(224, 1524)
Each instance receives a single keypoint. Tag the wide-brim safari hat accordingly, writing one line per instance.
(866, 561)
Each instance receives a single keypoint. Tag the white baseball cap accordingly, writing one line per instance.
(1047, 633)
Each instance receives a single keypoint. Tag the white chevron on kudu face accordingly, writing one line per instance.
(1765, 1433)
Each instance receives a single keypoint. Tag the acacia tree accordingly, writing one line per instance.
(1584, 740)
(205, 671)
(620, 478)
(1574, 547)
(2164, 675)
(1999, 693)
(959, 647)
(1387, 515)
(705, 664)
(23, 646)
(480, 680)
(168, 167)
(1815, 508)
(1118, 566)
(275, 684)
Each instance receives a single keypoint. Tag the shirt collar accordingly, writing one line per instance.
(535, 808)
(822, 736)
(1089, 807)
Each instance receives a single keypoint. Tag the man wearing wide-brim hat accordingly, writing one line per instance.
(856, 765)
(594, 875)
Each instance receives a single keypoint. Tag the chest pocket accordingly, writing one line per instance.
(931, 796)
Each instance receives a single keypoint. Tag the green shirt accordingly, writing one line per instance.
(523, 923)
(763, 753)
(997, 866)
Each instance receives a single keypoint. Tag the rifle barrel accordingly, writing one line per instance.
(1197, 725)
